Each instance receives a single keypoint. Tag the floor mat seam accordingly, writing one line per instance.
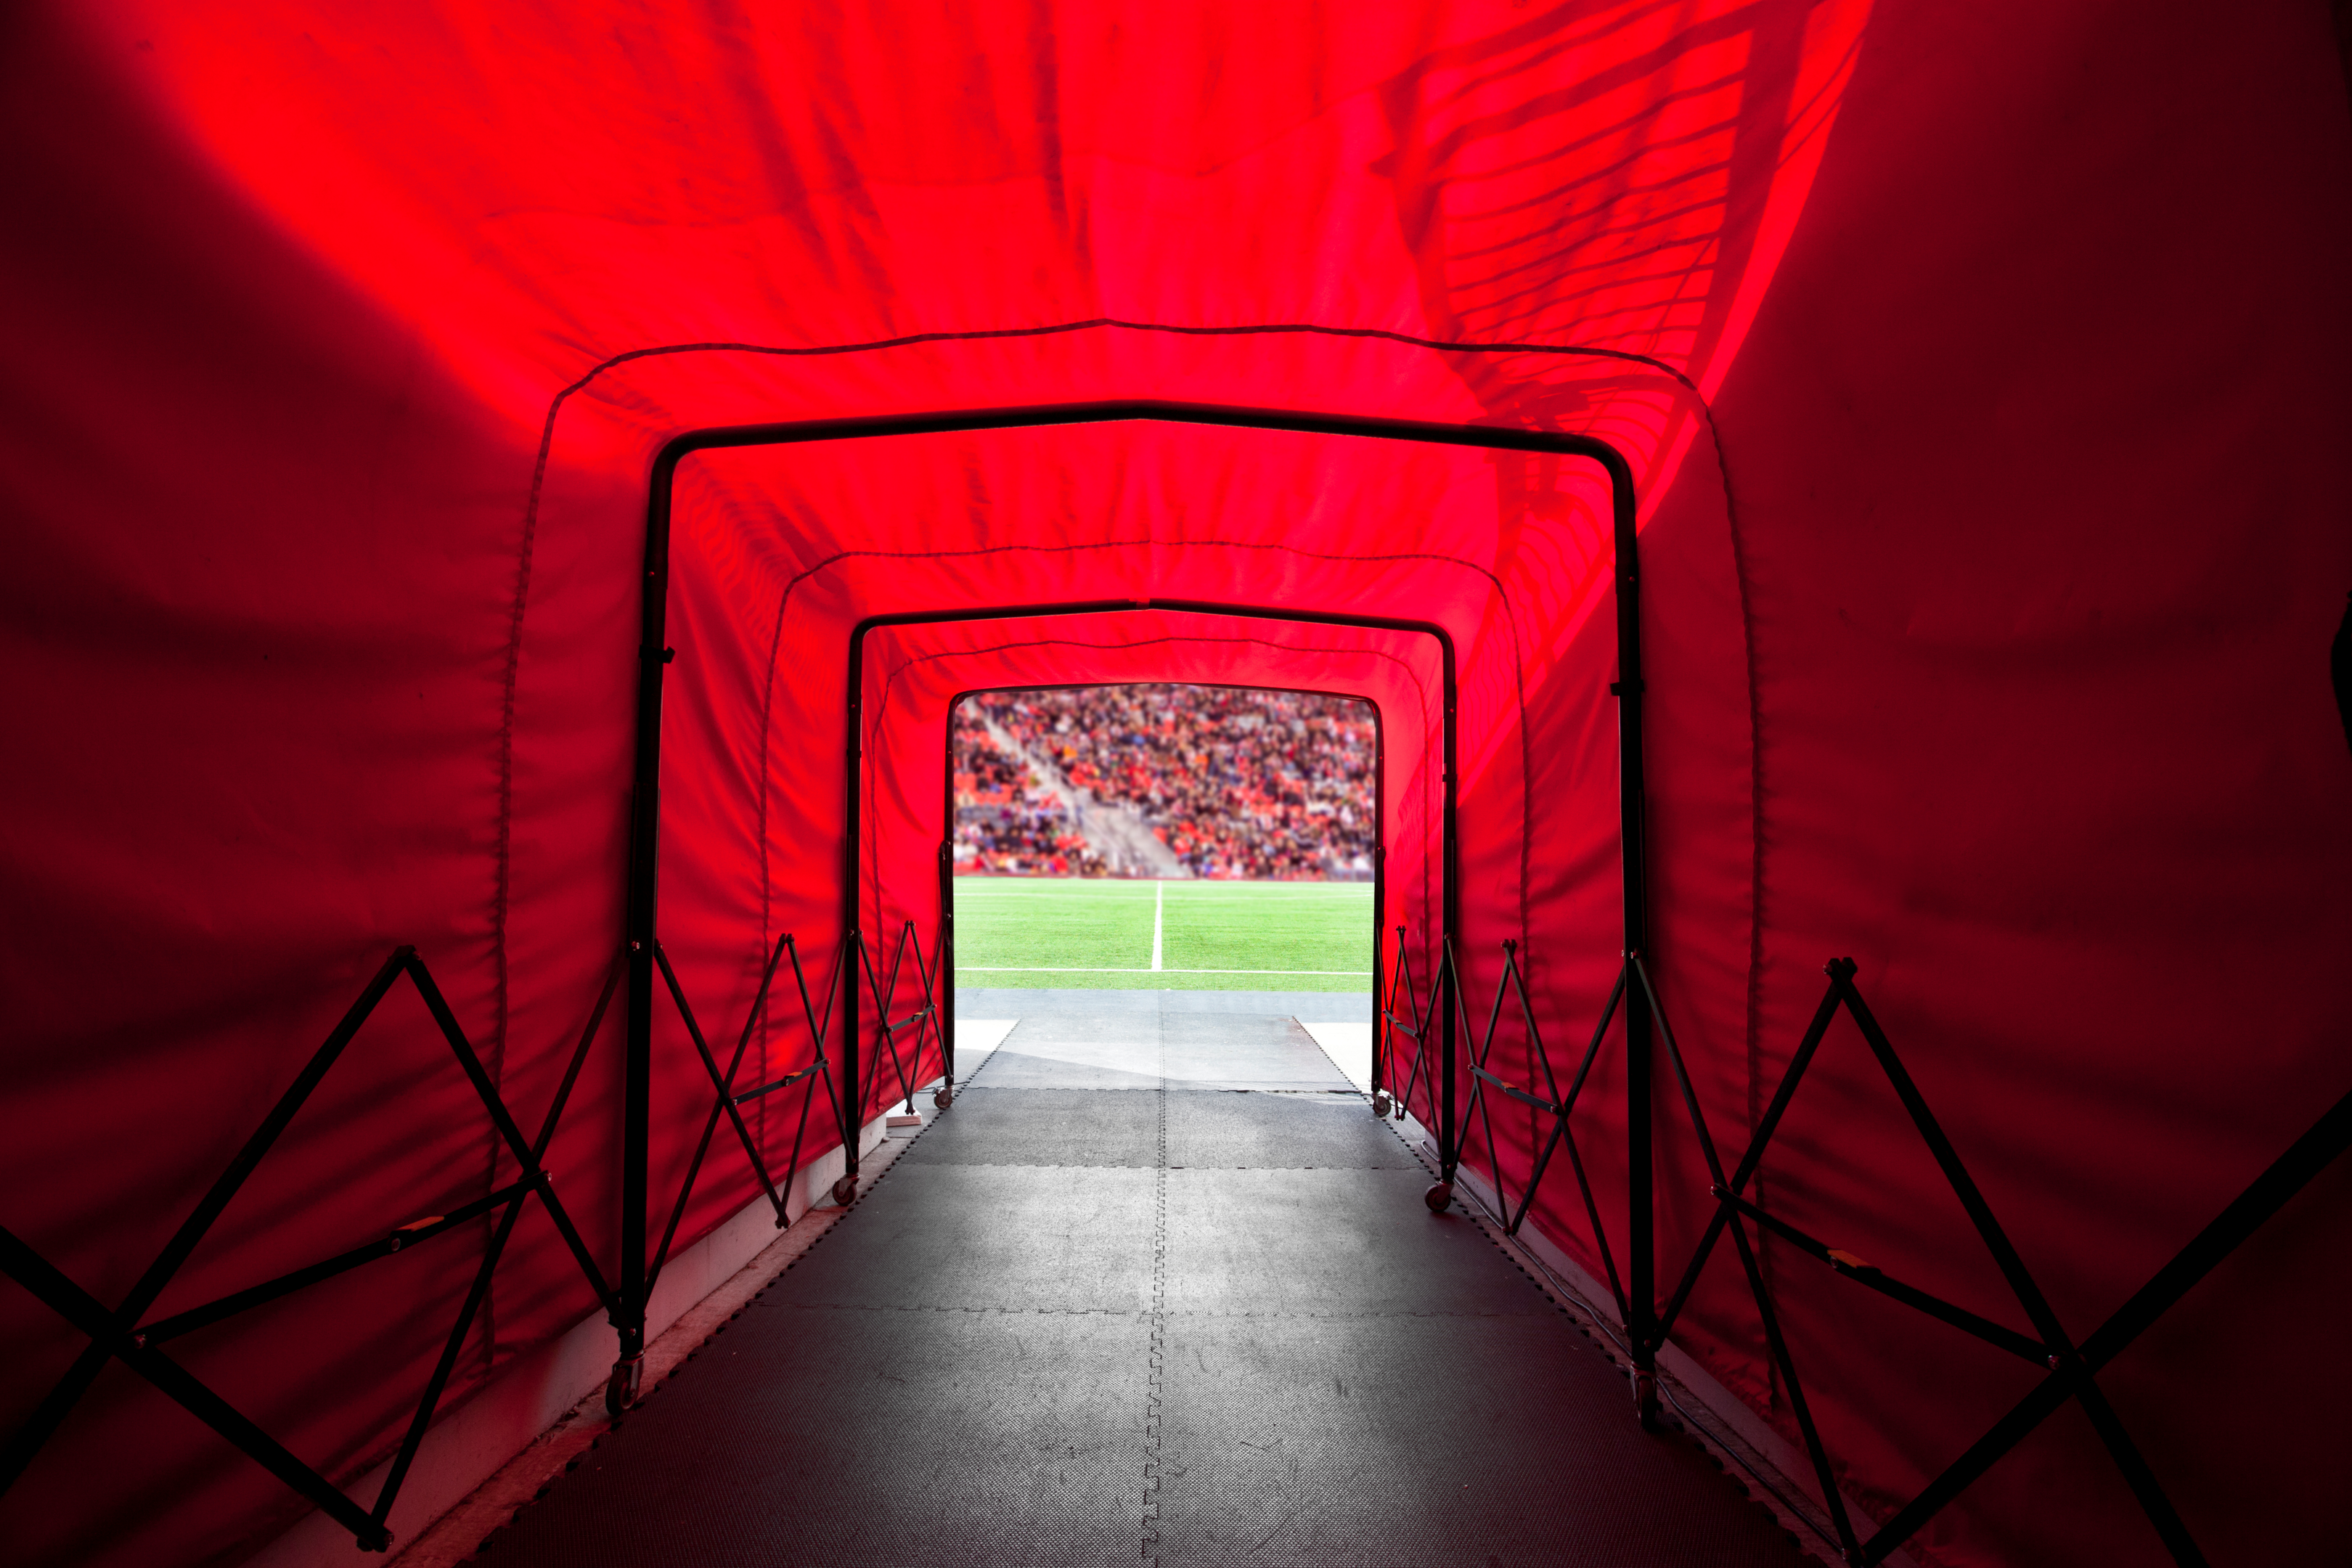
(1156, 1386)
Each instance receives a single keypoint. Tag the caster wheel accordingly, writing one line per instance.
(621, 1389)
(1381, 1103)
(844, 1190)
(1438, 1196)
(942, 1098)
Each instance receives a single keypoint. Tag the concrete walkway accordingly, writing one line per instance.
(1157, 1288)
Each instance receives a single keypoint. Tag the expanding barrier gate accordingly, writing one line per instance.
(1425, 1027)
(889, 1059)
(2070, 1366)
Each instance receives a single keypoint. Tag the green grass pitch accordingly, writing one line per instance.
(1068, 931)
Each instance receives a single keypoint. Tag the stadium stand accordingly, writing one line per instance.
(1008, 822)
(1236, 783)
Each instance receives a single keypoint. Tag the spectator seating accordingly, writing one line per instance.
(1237, 782)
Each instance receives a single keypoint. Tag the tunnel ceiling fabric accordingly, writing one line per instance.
(1981, 374)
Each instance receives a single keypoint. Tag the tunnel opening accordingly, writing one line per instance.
(1165, 836)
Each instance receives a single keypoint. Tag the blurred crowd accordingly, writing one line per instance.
(1237, 783)
(1007, 822)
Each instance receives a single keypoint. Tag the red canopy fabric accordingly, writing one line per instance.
(1981, 370)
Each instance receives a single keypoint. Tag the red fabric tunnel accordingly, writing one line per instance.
(1982, 375)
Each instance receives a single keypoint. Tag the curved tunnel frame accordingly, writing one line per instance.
(645, 812)
(947, 846)
(1449, 883)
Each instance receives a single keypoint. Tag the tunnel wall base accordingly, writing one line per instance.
(468, 1448)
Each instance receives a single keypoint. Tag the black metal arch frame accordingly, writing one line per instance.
(1449, 899)
(1449, 903)
(1450, 885)
(633, 1288)
(119, 1334)
(947, 839)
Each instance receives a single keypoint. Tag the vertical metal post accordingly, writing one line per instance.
(945, 1000)
(622, 1388)
(1379, 899)
(947, 903)
(853, 945)
(1450, 941)
(1641, 1327)
(853, 1088)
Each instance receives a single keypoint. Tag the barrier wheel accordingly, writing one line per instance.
(844, 1190)
(1381, 1103)
(942, 1098)
(621, 1389)
(1438, 1196)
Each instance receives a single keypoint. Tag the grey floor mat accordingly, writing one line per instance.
(1467, 1440)
(1169, 1325)
(1225, 1130)
(1212, 1129)
(831, 1436)
(1330, 1243)
(1020, 1239)
(994, 1125)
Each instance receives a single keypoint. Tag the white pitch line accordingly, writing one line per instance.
(1159, 907)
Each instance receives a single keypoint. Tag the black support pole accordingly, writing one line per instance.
(946, 907)
(1380, 904)
(1450, 915)
(1449, 979)
(853, 946)
(622, 1388)
(1641, 1329)
(945, 1000)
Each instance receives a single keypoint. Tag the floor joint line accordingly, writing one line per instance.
(1157, 1388)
